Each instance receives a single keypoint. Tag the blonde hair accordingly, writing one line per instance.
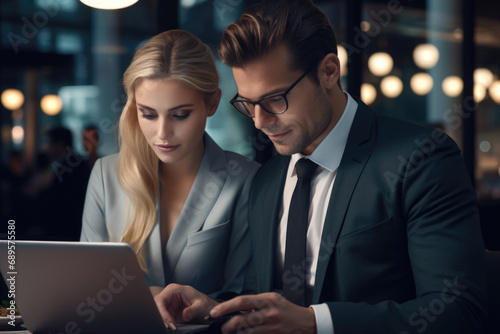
(172, 55)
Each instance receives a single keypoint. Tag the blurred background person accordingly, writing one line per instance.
(90, 138)
(58, 189)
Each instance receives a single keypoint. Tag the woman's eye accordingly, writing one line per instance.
(148, 117)
(180, 117)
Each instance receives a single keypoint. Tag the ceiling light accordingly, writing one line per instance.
(452, 86)
(391, 86)
(421, 83)
(51, 104)
(12, 99)
(368, 93)
(109, 4)
(426, 56)
(380, 64)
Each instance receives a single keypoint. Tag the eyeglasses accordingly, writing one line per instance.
(274, 104)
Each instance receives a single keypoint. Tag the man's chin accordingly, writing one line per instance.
(285, 149)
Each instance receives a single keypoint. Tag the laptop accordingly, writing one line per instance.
(82, 287)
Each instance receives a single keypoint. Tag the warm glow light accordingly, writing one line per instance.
(421, 83)
(17, 134)
(452, 86)
(391, 86)
(12, 99)
(426, 56)
(108, 4)
(342, 54)
(51, 104)
(495, 91)
(365, 26)
(380, 64)
(368, 93)
(483, 76)
(479, 92)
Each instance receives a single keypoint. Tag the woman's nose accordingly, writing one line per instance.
(165, 131)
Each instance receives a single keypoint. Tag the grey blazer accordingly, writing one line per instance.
(209, 247)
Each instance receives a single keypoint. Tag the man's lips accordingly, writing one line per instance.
(278, 136)
(167, 148)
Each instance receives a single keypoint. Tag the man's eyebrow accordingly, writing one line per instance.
(273, 92)
(171, 109)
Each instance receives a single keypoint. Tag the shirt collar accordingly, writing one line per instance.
(329, 152)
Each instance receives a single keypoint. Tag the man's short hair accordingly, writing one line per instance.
(298, 24)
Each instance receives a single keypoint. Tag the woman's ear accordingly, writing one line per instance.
(213, 104)
(329, 70)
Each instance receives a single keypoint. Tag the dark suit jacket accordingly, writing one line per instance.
(401, 248)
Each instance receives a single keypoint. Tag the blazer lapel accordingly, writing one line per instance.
(356, 154)
(155, 256)
(206, 188)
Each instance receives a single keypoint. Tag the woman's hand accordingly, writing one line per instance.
(183, 304)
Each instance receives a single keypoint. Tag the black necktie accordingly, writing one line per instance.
(295, 269)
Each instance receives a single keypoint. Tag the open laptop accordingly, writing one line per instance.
(82, 287)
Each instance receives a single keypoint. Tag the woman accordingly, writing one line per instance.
(171, 193)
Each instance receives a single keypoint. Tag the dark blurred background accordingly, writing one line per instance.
(430, 62)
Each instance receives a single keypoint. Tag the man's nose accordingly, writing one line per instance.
(262, 118)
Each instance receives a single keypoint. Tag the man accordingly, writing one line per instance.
(392, 237)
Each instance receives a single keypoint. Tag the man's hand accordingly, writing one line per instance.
(182, 304)
(155, 290)
(265, 313)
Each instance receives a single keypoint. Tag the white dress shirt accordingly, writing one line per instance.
(327, 156)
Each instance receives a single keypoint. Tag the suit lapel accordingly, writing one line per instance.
(265, 219)
(206, 188)
(356, 154)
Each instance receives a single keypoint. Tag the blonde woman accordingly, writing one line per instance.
(175, 196)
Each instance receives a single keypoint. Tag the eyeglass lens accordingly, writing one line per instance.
(273, 104)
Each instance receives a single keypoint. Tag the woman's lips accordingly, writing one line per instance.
(167, 148)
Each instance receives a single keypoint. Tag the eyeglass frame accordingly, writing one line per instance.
(235, 98)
